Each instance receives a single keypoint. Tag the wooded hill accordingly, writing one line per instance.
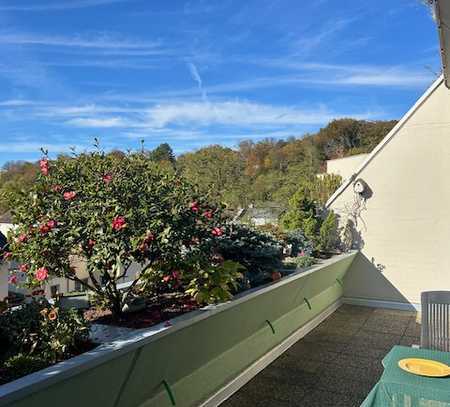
(253, 172)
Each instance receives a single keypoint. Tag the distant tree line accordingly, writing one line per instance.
(254, 172)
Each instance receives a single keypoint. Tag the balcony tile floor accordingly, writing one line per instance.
(334, 365)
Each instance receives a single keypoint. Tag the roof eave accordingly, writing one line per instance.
(442, 14)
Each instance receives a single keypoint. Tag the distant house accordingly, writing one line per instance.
(267, 214)
(6, 223)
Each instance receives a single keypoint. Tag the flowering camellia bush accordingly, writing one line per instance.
(111, 211)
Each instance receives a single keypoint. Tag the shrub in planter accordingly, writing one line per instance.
(307, 214)
(37, 335)
(328, 239)
(302, 261)
(110, 211)
(42, 330)
(258, 252)
(20, 365)
(300, 244)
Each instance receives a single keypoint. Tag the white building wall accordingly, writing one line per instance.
(346, 166)
(404, 226)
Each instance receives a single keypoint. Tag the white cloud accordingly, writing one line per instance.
(59, 5)
(93, 122)
(238, 113)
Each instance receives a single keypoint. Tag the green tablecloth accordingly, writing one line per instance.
(398, 388)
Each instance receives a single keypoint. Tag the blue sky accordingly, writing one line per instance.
(199, 72)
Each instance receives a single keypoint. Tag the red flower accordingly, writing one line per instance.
(7, 255)
(47, 227)
(208, 214)
(41, 274)
(44, 229)
(107, 178)
(43, 164)
(22, 238)
(194, 206)
(217, 232)
(13, 279)
(56, 188)
(118, 223)
(91, 243)
(24, 268)
(68, 196)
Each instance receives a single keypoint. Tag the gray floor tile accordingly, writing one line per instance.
(337, 364)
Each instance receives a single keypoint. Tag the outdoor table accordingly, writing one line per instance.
(398, 388)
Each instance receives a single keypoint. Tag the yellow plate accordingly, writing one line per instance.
(424, 367)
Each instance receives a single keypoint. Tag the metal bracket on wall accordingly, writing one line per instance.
(169, 392)
(308, 303)
(339, 281)
(271, 326)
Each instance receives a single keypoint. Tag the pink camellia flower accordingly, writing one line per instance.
(41, 274)
(194, 206)
(47, 227)
(107, 178)
(208, 214)
(51, 224)
(24, 268)
(44, 229)
(118, 223)
(22, 238)
(217, 232)
(13, 279)
(43, 165)
(7, 255)
(301, 254)
(57, 188)
(68, 196)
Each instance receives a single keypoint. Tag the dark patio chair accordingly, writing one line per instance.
(435, 330)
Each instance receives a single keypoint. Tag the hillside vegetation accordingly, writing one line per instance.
(254, 172)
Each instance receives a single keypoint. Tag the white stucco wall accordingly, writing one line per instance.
(405, 224)
(346, 166)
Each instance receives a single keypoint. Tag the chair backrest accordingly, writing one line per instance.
(435, 331)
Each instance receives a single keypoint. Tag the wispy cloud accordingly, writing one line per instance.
(108, 122)
(60, 5)
(308, 43)
(238, 113)
(96, 41)
(17, 103)
(197, 78)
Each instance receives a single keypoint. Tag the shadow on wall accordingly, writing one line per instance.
(365, 279)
